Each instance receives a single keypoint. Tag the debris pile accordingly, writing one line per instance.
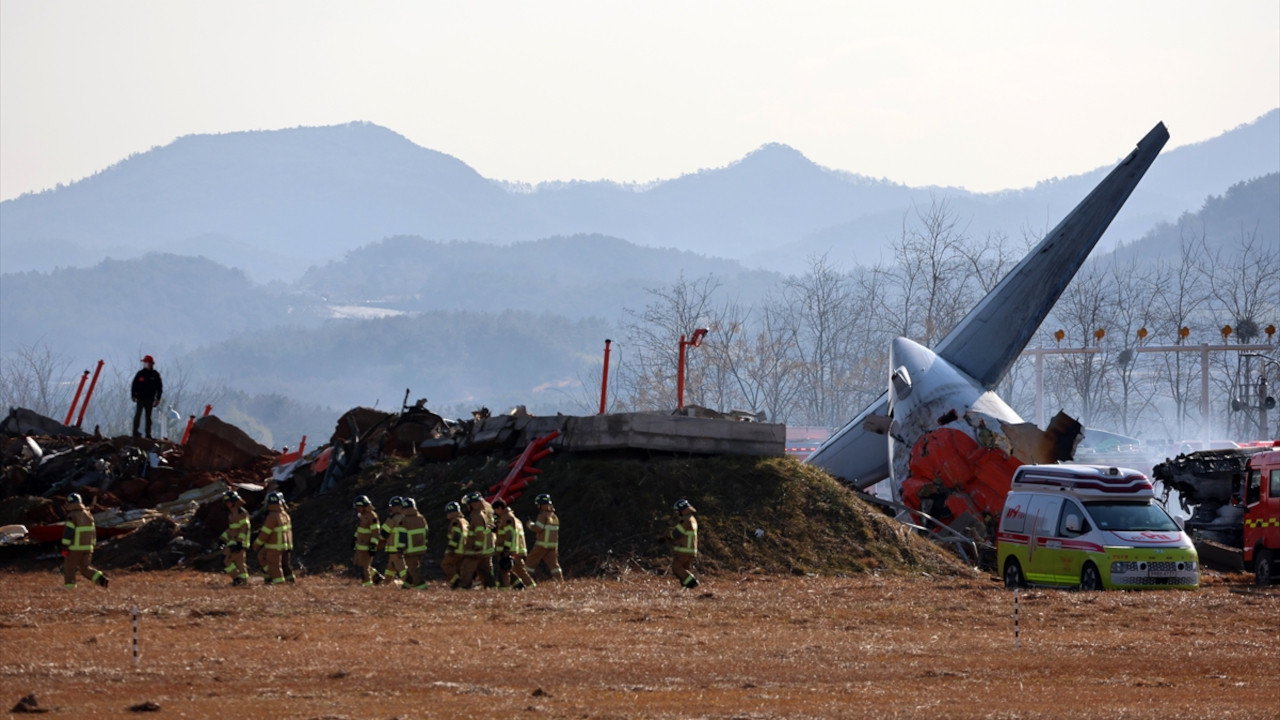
(157, 504)
(128, 483)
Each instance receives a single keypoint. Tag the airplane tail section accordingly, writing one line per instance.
(988, 340)
(985, 344)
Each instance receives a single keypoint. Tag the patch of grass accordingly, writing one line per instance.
(756, 515)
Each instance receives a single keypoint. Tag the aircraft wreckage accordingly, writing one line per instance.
(947, 443)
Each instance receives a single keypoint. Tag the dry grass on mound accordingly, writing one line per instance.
(615, 514)
(740, 646)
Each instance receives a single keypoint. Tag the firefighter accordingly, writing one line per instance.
(78, 539)
(286, 555)
(479, 547)
(365, 542)
(511, 549)
(546, 538)
(235, 539)
(414, 529)
(455, 543)
(274, 538)
(685, 550)
(391, 541)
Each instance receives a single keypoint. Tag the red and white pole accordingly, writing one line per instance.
(604, 379)
(92, 384)
(75, 400)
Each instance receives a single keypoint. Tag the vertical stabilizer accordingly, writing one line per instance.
(986, 342)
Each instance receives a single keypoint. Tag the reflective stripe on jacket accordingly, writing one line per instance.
(287, 531)
(79, 533)
(276, 533)
(546, 530)
(414, 529)
(365, 531)
(480, 541)
(458, 531)
(511, 537)
(238, 529)
(686, 537)
(391, 541)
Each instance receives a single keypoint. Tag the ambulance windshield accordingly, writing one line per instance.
(1131, 516)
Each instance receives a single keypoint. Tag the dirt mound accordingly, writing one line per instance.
(756, 515)
(767, 515)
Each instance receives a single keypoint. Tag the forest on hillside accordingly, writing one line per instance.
(805, 349)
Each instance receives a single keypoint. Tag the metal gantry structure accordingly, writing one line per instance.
(1203, 350)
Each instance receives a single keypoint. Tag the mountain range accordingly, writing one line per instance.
(275, 203)
(330, 267)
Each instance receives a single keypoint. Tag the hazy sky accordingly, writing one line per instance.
(984, 95)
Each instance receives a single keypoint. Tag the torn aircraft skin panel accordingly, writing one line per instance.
(944, 396)
(953, 444)
(979, 351)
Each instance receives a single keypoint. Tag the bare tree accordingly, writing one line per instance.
(1084, 308)
(1178, 296)
(653, 335)
(773, 370)
(1134, 311)
(754, 362)
(986, 263)
(822, 311)
(1244, 291)
(933, 288)
(35, 378)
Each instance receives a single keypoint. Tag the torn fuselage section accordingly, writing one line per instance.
(954, 445)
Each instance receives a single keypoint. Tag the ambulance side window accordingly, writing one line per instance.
(1071, 509)
(1274, 491)
(1046, 509)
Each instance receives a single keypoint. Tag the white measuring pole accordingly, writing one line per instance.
(1015, 619)
(135, 636)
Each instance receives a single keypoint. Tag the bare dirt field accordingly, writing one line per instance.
(635, 646)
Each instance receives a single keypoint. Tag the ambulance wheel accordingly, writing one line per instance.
(1090, 578)
(1013, 574)
(1264, 567)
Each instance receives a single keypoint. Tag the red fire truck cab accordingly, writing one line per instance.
(1262, 515)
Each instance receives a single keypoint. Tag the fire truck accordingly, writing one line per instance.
(1233, 497)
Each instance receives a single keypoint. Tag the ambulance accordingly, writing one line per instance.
(1092, 527)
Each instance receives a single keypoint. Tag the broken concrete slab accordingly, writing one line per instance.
(672, 433)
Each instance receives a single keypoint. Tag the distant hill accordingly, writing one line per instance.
(1245, 209)
(159, 304)
(578, 276)
(1178, 181)
(454, 358)
(299, 196)
(173, 304)
(274, 203)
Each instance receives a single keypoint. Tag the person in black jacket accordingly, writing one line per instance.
(146, 391)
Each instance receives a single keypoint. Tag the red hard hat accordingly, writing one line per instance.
(148, 359)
